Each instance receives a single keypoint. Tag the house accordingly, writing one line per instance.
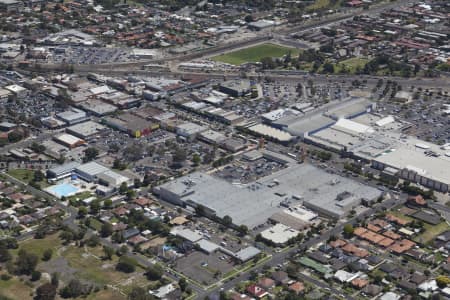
(266, 283)
(407, 286)
(359, 283)
(372, 290)
(416, 201)
(143, 201)
(129, 233)
(297, 287)
(257, 291)
(136, 240)
(280, 277)
(318, 256)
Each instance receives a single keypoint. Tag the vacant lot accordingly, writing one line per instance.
(255, 54)
(351, 64)
(25, 176)
(15, 289)
(431, 231)
(38, 246)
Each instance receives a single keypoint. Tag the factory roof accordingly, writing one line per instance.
(279, 233)
(86, 129)
(186, 234)
(207, 246)
(247, 253)
(71, 114)
(92, 168)
(68, 139)
(68, 167)
(271, 132)
(254, 203)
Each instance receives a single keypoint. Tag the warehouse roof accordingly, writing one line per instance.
(92, 168)
(247, 253)
(86, 129)
(271, 132)
(254, 203)
(68, 139)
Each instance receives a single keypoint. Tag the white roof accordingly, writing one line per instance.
(271, 132)
(385, 121)
(186, 234)
(92, 168)
(207, 245)
(68, 139)
(349, 125)
(15, 88)
(279, 233)
(344, 276)
(100, 90)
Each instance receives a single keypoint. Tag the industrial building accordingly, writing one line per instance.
(86, 130)
(133, 125)
(236, 88)
(189, 130)
(69, 140)
(379, 140)
(62, 171)
(254, 203)
(73, 116)
(98, 108)
(89, 171)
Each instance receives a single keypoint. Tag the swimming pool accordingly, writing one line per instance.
(62, 190)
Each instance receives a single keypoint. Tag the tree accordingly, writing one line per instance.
(179, 156)
(74, 289)
(183, 284)
(123, 188)
(93, 241)
(442, 281)
(243, 229)
(138, 293)
(4, 254)
(328, 68)
(196, 159)
(47, 255)
(26, 262)
(348, 229)
(106, 229)
(55, 279)
(126, 264)
(154, 272)
(82, 212)
(38, 176)
(107, 204)
(47, 291)
(109, 252)
(90, 154)
(35, 275)
(95, 207)
(227, 221)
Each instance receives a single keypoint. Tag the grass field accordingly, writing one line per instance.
(25, 176)
(431, 231)
(323, 4)
(255, 54)
(38, 246)
(15, 289)
(106, 295)
(352, 64)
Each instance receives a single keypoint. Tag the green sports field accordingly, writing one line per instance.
(255, 54)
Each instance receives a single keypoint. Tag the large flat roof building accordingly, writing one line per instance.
(254, 203)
